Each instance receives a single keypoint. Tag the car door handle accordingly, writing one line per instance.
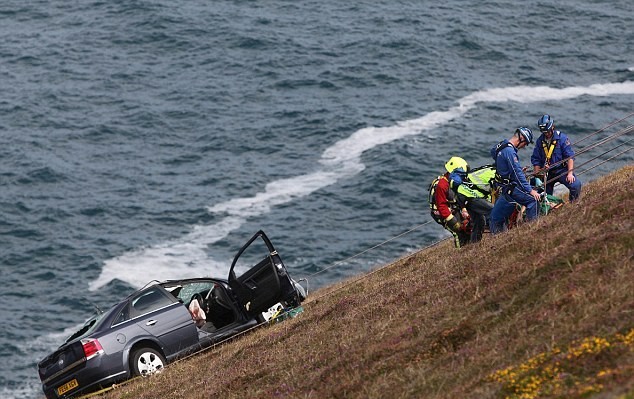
(150, 323)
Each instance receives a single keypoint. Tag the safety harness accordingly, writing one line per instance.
(501, 181)
(461, 237)
(548, 150)
(432, 194)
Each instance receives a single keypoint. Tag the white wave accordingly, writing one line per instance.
(182, 258)
(186, 257)
(161, 262)
(347, 153)
(282, 191)
(528, 94)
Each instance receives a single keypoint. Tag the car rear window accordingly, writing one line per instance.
(145, 302)
(86, 328)
(148, 301)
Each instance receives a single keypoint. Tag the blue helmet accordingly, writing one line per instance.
(545, 123)
(525, 134)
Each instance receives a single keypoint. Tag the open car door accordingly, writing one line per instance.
(259, 278)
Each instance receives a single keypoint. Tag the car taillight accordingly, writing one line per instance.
(92, 348)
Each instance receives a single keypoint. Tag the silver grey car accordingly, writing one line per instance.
(155, 325)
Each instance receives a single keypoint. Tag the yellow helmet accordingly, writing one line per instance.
(455, 164)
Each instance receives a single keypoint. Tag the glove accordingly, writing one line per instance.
(465, 225)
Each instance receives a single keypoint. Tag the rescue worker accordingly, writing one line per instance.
(553, 158)
(514, 188)
(443, 203)
(480, 180)
(475, 194)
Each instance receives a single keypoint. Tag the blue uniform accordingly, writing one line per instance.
(561, 150)
(515, 188)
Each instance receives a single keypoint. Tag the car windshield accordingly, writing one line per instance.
(186, 291)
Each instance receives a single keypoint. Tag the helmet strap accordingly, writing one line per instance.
(520, 136)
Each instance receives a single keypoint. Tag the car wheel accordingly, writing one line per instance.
(147, 361)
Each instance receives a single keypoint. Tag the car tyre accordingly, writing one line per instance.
(147, 361)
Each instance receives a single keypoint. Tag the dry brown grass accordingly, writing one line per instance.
(541, 311)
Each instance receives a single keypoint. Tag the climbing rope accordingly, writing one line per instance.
(600, 163)
(366, 275)
(606, 140)
(369, 249)
(622, 132)
(603, 128)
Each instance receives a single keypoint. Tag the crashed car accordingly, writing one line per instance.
(168, 320)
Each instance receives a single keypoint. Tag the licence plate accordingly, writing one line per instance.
(67, 387)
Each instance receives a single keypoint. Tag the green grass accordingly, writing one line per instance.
(545, 310)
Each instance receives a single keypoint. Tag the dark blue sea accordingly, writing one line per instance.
(149, 139)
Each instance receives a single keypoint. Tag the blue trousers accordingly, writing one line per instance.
(574, 188)
(505, 205)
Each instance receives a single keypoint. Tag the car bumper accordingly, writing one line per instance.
(95, 373)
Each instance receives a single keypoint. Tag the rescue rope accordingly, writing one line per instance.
(625, 131)
(369, 249)
(603, 128)
(592, 159)
(606, 160)
(365, 275)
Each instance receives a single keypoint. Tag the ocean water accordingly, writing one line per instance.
(150, 139)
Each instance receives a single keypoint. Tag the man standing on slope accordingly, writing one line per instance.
(443, 203)
(510, 177)
(554, 155)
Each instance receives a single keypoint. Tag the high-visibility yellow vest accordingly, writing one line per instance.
(478, 183)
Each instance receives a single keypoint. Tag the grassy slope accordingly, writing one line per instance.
(545, 310)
